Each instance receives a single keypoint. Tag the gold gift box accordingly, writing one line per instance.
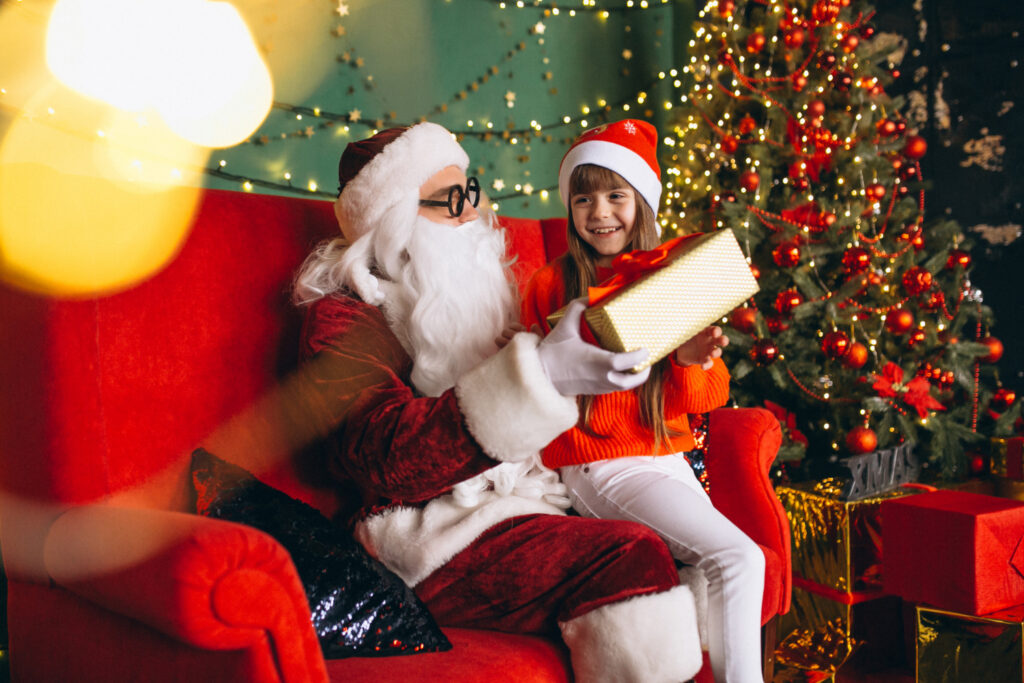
(705, 277)
(835, 543)
(821, 634)
(965, 648)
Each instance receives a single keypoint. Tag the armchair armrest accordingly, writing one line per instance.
(742, 444)
(211, 584)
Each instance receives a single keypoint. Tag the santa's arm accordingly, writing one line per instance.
(404, 447)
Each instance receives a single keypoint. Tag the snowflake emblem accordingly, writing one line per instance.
(630, 127)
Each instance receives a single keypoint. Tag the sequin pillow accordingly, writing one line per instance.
(359, 607)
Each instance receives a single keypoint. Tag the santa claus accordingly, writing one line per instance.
(436, 412)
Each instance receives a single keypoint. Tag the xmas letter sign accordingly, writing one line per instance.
(875, 473)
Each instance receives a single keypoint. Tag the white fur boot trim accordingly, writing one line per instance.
(698, 583)
(647, 639)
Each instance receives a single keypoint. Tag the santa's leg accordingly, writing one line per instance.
(611, 587)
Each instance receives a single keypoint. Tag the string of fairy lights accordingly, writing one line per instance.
(560, 129)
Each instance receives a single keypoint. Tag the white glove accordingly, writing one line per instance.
(576, 367)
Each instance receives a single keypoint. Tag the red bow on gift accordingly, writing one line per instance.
(629, 267)
(916, 393)
(788, 422)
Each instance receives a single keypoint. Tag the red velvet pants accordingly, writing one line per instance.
(528, 573)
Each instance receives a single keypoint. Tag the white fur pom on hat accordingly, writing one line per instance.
(389, 168)
(628, 147)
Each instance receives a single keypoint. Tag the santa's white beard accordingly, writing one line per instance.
(451, 300)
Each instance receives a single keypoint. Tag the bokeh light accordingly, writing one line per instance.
(192, 61)
(92, 199)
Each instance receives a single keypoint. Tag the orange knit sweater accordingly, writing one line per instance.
(687, 390)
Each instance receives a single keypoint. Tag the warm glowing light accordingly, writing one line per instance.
(83, 215)
(194, 62)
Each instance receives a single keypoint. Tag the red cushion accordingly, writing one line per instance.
(956, 550)
(476, 657)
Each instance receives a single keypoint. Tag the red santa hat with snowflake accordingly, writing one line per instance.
(628, 147)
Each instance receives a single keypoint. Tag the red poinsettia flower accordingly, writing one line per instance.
(788, 422)
(916, 393)
(886, 383)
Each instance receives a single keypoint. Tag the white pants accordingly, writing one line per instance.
(664, 494)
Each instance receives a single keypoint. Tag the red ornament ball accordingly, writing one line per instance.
(867, 32)
(916, 337)
(787, 254)
(747, 125)
(794, 38)
(856, 260)
(764, 352)
(799, 81)
(1003, 398)
(917, 280)
(995, 349)
(976, 463)
(787, 300)
(743, 319)
(915, 147)
(749, 180)
(835, 345)
(850, 42)
(755, 42)
(730, 144)
(801, 184)
(828, 219)
(887, 127)
(958, 258)
(861, 440)
(816, 109)
(875, 191)
(899, 321)
(856, 356)
(726, 7)
(776, 323)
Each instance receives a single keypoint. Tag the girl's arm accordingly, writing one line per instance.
(691, 389)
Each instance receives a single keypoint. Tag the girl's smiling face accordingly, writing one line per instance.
(605, 220)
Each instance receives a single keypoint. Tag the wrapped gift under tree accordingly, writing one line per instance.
(840, 609)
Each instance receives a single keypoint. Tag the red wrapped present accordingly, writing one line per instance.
(1008, 457)
(954, 550)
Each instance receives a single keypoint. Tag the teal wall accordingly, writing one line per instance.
(452, 62)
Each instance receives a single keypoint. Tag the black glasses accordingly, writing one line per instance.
(457, 198)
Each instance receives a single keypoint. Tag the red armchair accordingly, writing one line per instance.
(104, 399)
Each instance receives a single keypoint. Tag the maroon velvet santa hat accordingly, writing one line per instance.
(379, 173)
(628, 147)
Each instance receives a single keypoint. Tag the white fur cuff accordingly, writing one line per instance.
(510, 405)
(648, 639)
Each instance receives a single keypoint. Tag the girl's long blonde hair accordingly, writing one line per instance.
(579, 271)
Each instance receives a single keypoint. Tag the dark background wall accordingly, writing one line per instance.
(964, 77)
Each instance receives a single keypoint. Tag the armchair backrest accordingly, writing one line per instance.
(107, 397)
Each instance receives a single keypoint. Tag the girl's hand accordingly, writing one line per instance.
(508, 333)
(703, 348)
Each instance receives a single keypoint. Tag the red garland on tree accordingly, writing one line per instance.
(827, 198)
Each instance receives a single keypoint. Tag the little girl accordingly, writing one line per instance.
(625, 459)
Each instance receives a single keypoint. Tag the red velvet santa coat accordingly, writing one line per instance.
(434, 472)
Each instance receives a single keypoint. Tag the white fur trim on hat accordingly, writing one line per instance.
(647, 639)
(397, 173)
(615, 157)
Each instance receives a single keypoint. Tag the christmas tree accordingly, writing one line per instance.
(866, 332)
